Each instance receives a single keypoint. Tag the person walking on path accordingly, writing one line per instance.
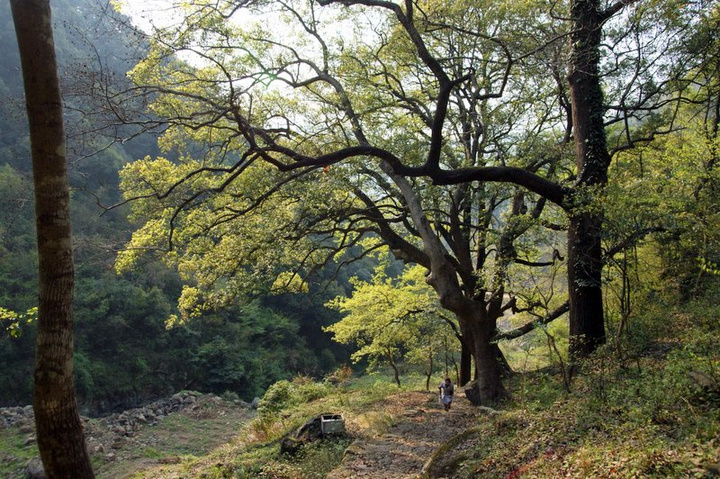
(447, 389)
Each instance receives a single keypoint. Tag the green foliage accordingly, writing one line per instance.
(235, 244)
(289, 394)
(124, 354)
(14, 322)
(393, 319)
(669, 189)
(651, 416)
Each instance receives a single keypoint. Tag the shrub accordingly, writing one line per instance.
(276, 398)
(286, 394)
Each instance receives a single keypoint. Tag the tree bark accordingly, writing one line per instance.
(396, 371)
(59, 430)
(429, 374)
(487, 366)
(587, 327)
(465, 364)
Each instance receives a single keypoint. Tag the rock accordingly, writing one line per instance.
(472, 392)
(308, 432)
(255, 403)
(29, 440)
(12, 416)
(487, 410)
(34, 469)
(290, 445)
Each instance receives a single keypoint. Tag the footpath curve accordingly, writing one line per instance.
(421, 427)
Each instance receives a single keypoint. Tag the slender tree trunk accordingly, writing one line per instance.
(59, 431)
(587, 327)
(394, 367)
(428, 376)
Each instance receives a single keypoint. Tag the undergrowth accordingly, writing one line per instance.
(646, 408)
(645, 405)
(286, 406)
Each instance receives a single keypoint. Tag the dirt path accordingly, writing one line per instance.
(421, 428)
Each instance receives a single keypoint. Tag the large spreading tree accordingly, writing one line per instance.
(238, 212)
(446, 131)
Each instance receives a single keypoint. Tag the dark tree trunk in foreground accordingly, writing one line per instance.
(59, 431)
(587, 327)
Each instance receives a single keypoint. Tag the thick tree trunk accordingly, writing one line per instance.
(587, 329)
(587, 326)
(505, 367)
(474, 323)
(59, 431)
(489, 372)
(465, 364)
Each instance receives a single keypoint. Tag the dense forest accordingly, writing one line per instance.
(125, 355)
(264, 191)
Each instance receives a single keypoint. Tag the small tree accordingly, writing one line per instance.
(390, 320)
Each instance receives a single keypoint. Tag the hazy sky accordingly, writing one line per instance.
(146, 13)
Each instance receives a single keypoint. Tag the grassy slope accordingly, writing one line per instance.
(635, 411)
(255, 451)
(643, 415)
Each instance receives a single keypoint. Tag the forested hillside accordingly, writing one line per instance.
(124, 353)
(522, 196)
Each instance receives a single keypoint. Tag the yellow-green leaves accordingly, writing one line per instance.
(390, 315)
(13, 322)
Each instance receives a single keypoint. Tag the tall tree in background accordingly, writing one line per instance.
(587, 322)
(59, 431)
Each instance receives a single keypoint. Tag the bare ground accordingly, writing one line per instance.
(421, 427)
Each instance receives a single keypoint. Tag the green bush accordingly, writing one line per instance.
(286, 394)
(276, 398)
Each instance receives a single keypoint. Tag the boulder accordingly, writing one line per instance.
(472, 392)
(312, 430)
(34, 469)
